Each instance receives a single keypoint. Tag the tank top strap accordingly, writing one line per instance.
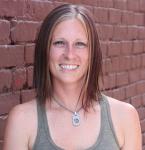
(106, 118)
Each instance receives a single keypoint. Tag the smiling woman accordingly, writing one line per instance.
(69, 111)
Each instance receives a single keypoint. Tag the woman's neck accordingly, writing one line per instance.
(68, 94)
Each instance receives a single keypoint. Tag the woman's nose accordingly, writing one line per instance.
(69, 51)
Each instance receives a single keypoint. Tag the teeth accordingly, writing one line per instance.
(69, 67)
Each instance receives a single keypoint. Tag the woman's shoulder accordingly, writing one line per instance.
(121, 107)
(21, 122)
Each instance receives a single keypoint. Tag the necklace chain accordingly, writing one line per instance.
(75, 114)
(76, 111)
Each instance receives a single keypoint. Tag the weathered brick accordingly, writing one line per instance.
(141, 32)
(115, 64)
(142, 125)
(37, 10)
(4, 32)
(134, 75)
(127, 18)
(105, 32)
(28, 95)
(5, 80)
(139, 19)
(142, 74)
(136, 101)
(101, 15)
(114, 48)
(135, 61)
(133, 5)
(105, 3)
(124, 63)
(138, 46)
(130, 90)
(9, 100)
(24, 31)
(115, 16)
(119, 32)
(108, 65)
(141, 112)
(132, 33)
(142, 5)
(29, 53)
(103, 46)
(140, 87)
(119, 93)
(143, 60)
(12, 8)
(120, 4)
(122, 78)
(126, 47)
(19, 78)
(30, 76)
(2, 126)
(11, 55)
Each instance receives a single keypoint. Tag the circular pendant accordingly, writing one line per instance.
(75, 119)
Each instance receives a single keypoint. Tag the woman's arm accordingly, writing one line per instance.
(16, 136)
(132, 130)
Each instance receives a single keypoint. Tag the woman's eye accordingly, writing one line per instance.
(81, 45)
(59, 43)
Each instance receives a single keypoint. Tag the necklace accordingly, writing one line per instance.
(75, 114)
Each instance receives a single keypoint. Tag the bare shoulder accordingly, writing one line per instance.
(123, 109)
(20, 122)
(126, 123)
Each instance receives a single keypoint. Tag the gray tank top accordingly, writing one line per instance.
(106, 140)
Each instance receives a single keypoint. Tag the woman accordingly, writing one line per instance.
(69, 111)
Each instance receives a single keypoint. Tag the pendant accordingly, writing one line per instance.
(75, 119)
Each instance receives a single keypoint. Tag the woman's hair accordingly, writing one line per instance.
(42, 77)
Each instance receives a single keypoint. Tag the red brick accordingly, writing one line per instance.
(105, 32)
(134, 75)
(120, 4)
(115, 64)
(119, 93)
(7, 101)
(138, 46)
(115, 16)
(132, 32)
(124, 63)
(108, 93)
(139, 19)
(105, 3)
(119, 33)
(114, 48)
(142, 125)
(29, 53)
(37, 10)
(141, 112)
(140, 87)
(127, 18)
(4, 32)
(2, 126)
(19, 78)
(11, 55)
(142, 5)
(5, 80)
(12, 8)
(143, 99)
(108, 65)
(122, 78)
(135, 61)
(28, 95)
(101, 15)
(136, 101)
(30, 76)
(143, 60)
(130, 90)
(141, 33)
(104, 49)
(126, 47)
(24, 31)
(142, 74)
(133, 5)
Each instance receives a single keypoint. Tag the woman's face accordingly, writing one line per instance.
(69, 52)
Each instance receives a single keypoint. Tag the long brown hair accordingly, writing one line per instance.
(42, 77)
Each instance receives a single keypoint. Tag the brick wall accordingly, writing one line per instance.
(121, 28)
